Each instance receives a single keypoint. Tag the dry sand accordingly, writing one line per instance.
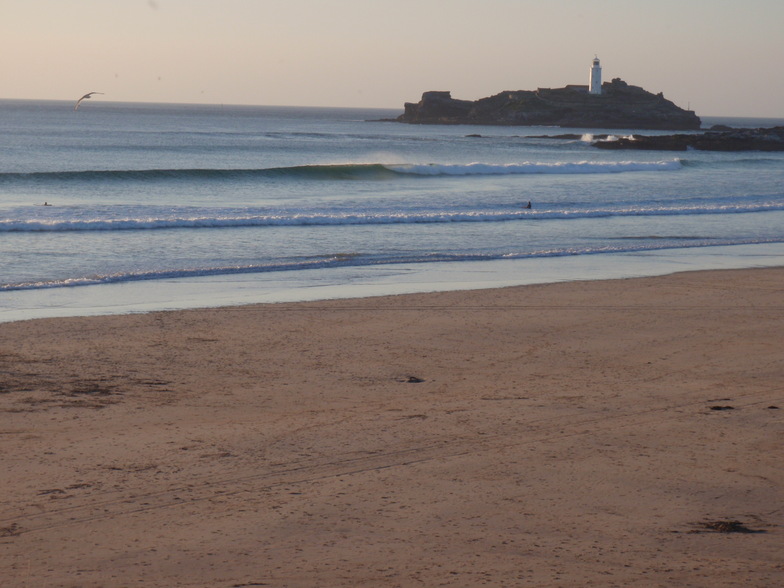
(562, 435)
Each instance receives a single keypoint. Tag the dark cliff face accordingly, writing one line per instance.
(620, 106)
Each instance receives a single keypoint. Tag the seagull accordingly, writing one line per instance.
(85, 97)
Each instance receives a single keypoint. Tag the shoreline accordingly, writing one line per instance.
(371, 281)
(557, 434)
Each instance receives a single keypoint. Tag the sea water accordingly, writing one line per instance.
(121, 207)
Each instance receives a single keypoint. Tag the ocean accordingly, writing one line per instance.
(130, 207)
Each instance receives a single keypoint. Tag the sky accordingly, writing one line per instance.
(718, 57)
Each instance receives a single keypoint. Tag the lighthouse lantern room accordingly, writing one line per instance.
(595, 84)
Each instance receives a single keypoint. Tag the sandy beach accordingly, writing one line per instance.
(607, 433)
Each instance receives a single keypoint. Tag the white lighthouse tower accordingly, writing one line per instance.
(595, 84)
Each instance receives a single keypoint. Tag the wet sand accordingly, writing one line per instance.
(608, 433)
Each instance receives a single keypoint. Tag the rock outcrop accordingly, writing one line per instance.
(734, 140)
(619, 106)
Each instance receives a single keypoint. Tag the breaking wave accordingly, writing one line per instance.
(206, 219)
(357, 259)
(351, 171)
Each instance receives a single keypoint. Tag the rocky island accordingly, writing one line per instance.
(617, 105)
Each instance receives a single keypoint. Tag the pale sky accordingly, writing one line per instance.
(720, 57)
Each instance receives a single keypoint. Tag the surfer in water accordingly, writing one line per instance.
(528, 205)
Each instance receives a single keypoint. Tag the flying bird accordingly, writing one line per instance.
(85, 97)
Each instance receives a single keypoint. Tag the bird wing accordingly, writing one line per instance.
(78, 102)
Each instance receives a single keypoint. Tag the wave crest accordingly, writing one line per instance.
(238, 218)
(358, 259)
(348, 171)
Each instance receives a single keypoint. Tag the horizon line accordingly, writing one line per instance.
(246, 105)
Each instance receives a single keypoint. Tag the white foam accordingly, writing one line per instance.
(232, 218)
(581, 167)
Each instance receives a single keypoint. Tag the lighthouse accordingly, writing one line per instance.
(595, 83)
